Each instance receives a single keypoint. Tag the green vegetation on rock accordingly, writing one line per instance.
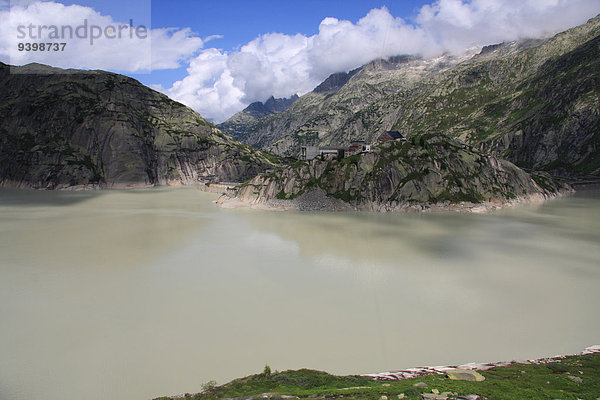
(574, 377)
(428, 169)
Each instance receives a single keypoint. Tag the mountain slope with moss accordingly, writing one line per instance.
(334, 102)
(537, 107)
(534, 102)
(62, 128)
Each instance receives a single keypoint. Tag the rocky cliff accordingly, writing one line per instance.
(61, 128)
(428, 171)
(533, 102)
(271, 106)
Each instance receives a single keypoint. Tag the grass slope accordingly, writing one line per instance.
(553, 380)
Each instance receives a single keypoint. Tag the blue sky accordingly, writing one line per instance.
(264, 48)
(240, 21)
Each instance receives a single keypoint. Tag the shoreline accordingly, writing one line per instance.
(442, 370)
(493, 381)
(314, 201)
(318, 201)
(218, 188)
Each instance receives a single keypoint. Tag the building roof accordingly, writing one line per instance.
(395, 135)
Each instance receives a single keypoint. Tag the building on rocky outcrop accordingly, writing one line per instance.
(390, 136)
(355, 148)
(308, 153)
(311, 152)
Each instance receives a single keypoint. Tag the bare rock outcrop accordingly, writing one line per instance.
(62, 128)
(426, 173)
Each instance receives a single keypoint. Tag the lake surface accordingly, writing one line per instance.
(139, 294)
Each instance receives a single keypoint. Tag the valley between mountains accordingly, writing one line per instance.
(508, 123)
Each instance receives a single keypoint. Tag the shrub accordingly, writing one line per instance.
(267, 370)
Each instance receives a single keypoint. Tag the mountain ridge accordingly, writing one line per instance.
(271, 106)
(318, 112)
(471, 125)
(475, 99)
(63, 128)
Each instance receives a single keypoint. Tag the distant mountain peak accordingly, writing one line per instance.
(271, 106)
(335, 82)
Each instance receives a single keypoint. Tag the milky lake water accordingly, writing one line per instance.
(139, 294)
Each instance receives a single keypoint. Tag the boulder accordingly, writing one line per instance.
(433, 396)
(575, 379)
(465, 375)
(470, 397)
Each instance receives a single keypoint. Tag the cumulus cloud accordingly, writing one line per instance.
(221, 83)
(454, 24)
(92, 40)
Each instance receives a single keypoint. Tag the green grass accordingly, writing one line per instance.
(281, 195)
(516, 382)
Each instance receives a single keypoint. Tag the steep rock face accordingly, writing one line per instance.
(557, 122)
(534, 104)
(65, 128)
(428, 170)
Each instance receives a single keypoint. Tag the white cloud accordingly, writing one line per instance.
(131, 51)
(454, 24)
(209, 87)
(221, 83)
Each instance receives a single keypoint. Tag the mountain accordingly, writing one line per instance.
(61, 128)
(245, 121)
(335, 101)
(533, 102)
(271, 106)
(473, 124)
(335, 82)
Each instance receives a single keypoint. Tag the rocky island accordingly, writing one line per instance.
(427, 172)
